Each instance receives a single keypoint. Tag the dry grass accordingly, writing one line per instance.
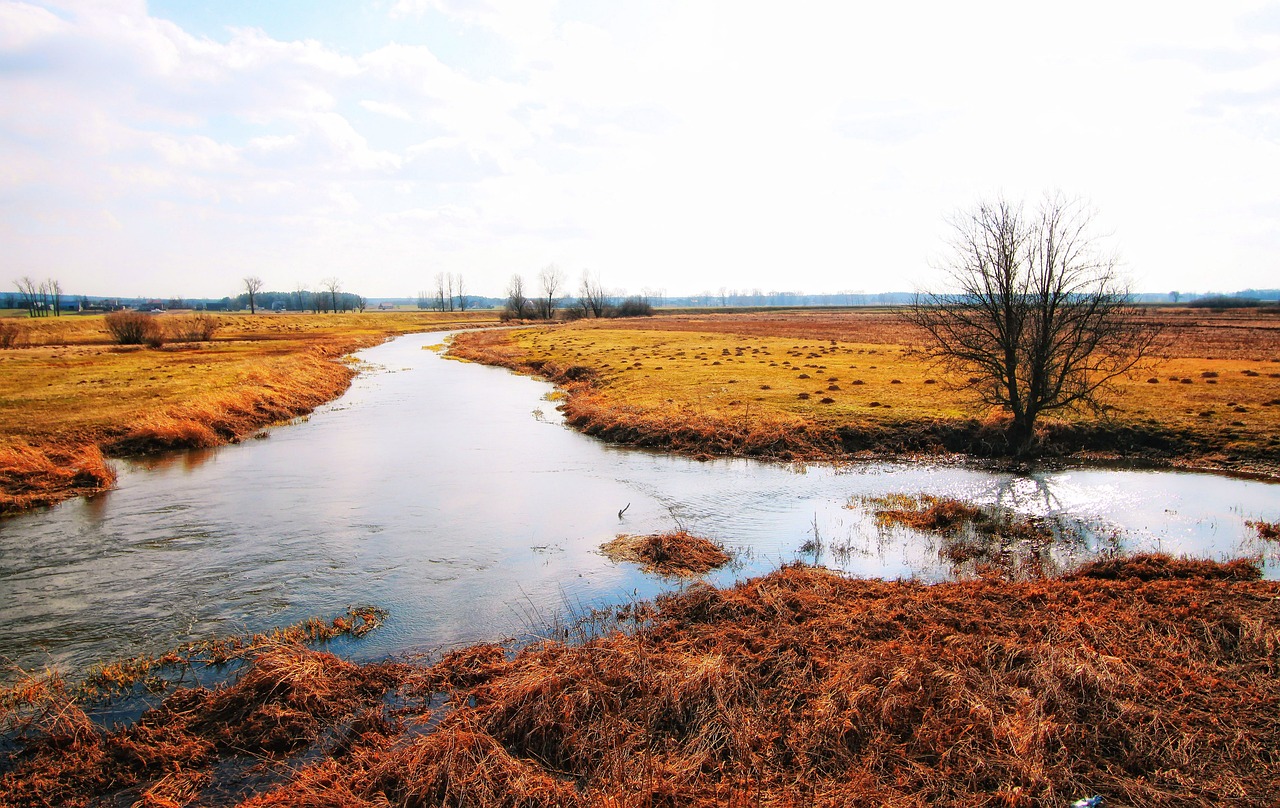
(1266, 530)
(675, 553)
(834, 384)
(1150, 681)
(73, 392)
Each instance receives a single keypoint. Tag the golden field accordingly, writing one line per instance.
(807, 384)
(70, 395)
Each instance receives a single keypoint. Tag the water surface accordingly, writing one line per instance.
(452, 494)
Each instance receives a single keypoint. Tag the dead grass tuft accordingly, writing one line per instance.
(1269, 531)
(675, 553)
(32, 477)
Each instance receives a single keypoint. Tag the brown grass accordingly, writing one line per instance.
(72, 392)
(1150, 681)
(833, 384)
(1266, 530)
(674, 553)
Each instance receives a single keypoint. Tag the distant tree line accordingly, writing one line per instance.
(548, 302)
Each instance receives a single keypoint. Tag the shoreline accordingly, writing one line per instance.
(1068, 445)
(289, 377)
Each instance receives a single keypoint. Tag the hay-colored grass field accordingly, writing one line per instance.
(1213, 393)
(70, 394)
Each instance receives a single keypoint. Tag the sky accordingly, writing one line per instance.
(171, 148)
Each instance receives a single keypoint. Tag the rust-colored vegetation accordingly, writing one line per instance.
(71, 391)
(674, 553)
(837, 384)
(120, 676)
(1266, 530)
(1149, 681)
(991, 541)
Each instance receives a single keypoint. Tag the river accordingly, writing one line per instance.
(453, 495)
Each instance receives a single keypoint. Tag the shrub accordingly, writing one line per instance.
(131, 327)
(12, 335)
(632, 307)
(193, 328)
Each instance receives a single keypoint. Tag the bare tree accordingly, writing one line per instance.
(332, 285)
(27, 288)
(517, 303)
(1038, 320)
(460, 289)
(300, 296)
(591, 295)
(552, 278)
(252, 285)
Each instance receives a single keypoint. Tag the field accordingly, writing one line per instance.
(1148, 681)
(70, 395)
(810, 384)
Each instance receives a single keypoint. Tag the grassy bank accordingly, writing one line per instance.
(70, 396)
(1149, 681)
(811, 384)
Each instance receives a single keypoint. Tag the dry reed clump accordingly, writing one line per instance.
(675, 553)
(1269, 531)
(1149, 681)
(31, 477)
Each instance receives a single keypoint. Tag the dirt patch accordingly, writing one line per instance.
(675, 553)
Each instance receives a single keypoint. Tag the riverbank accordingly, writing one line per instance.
(1148, 681)
(850, 384)
(71, 397)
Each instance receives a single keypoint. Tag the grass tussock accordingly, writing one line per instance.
(31, 477)
(674, 553)
(1150, 681)
(1266, 530)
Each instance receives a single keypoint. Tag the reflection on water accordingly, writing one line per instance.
(452, 494)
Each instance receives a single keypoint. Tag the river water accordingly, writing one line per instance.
(452, 495)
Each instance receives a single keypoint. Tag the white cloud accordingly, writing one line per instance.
(686, 146)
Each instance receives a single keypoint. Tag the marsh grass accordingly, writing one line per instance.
(674, 553)
(986, 540)
(1147, 680)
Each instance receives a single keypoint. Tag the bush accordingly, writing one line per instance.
(133, 328)
(632, 307)
(193, 328)
(12, 335)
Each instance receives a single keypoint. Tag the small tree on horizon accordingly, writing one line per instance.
(252, 285)
(1038, 320)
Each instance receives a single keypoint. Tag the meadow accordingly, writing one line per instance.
(824, 384)
(70, 396)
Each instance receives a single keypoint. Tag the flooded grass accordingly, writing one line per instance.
(673, 553)
(1149, 681)
(1269, 531)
